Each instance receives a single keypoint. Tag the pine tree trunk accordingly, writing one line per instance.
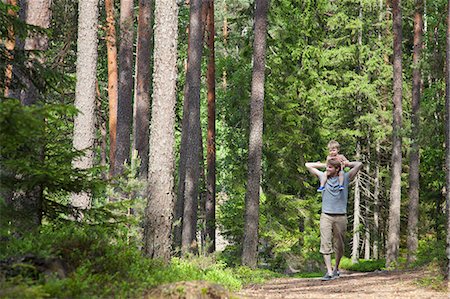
(356, 217)
(125, 100)
(211, 136)
(84, 123)
(376, 204)
(36, 13)
(27, 202)
(447, 135)
(414, 158)
(366, 211)
(192, 93)
(395, 192)
(113, 80)
(250, 244)
(158, 213)
(142, 90)
(10, 44)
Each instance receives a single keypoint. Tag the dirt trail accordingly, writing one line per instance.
(384, 285)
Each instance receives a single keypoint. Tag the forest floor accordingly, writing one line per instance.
(381, 284)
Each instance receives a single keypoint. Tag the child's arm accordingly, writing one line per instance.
(344, 160)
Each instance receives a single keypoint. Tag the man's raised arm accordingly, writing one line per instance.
(355, 167)
(313, 167)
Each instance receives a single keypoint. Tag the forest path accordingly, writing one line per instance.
(383, 284)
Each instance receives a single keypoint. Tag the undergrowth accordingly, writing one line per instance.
(92, 264)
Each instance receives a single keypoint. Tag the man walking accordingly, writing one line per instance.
(333, 220)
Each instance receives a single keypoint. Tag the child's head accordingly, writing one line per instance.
(333, 148)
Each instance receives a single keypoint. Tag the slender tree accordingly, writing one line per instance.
(210, 205)
(112, 80)
(84, 123)
(192, 93)
(158, 213)
(376, 203)
(142, 89)
(447, 134)
(395, 192)
(414, 158)
(250, 244)
(356, 211)
(9, 45)
(26, 202)
(125, 99)
(36, 13)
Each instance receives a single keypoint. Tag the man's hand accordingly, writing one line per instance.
(313, 167)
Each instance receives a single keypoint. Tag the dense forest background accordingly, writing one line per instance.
(329, 69)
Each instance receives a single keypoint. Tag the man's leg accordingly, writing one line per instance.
(326, 245)
(339, 228)
(327, 259)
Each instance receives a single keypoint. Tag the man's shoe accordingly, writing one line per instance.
(327, 277)
(336, 273)
(321, 189)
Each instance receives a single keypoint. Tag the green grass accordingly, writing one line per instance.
(308, 275)
(98, 257)
(362, 265)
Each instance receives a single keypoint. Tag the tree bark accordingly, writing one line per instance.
(414, 158)
(125, 100)
(211, 136)
(250, 244)
(158, 213)
(9, 45)
(192, 93)
(142, 90)
(395, 191)
(376, 203)
(447, 135)
(112, 80)
(356, 212)
(84, 123)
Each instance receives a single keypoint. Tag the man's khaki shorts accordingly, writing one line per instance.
(332, 232)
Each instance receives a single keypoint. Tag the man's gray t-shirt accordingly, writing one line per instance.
(334, 201)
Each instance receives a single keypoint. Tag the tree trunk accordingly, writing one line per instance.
(395, 192)
(84, 123)
(414, 163)
(356, 212)
(192, 93)
(28, 201)
(112, 80)
(447, 140)
(250, 244)
(211, 137)
(9, 45)
(376, 203)
(36, 13)
(125, 100)
(143, 79)
(158, 213)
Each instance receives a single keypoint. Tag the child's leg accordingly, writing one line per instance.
(323, 180)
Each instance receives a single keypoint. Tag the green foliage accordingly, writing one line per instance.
(98, 255)
(430, 251)
(36, 153)
(362, 265)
